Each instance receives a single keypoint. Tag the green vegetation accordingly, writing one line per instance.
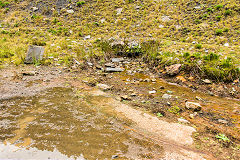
(80, 3)
(219, 32)
(222, 137)
(175, 23)
(3, 4)
(174, 109)
(198, 46)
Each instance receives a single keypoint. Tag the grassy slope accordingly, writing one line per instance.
(187, 21)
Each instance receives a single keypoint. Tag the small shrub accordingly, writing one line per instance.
(80, 3)
(222, 137)
(3, 4)
(219, 32)
(4, 32)
(218, 18)
(6, 10)
(198, 46)
(197, 21)
(209, 9)
(225, 30)
(219, 6)
(211, 57)
(186, 55)
(227, 12)
(174, 109)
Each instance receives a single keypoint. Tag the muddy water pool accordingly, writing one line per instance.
(57, 124)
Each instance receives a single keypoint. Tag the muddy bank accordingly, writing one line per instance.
(28, 80)
(145, 93)
(217, 122)
(86, 123)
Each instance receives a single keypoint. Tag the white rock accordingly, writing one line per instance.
(34, 9)
(207, 81)
(183, 120)
(70, 11)
(103, 87)
(87, 37)
(193, 106)
(226, 45)
(166, 96)
(119, 11)
(152, 92)
(161, 26)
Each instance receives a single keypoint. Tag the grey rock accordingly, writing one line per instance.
(152, 92)
(133, 44)
(28, 73)
(119, 11)
(166, 18)
(197, 7)
(207, 81)
(183, 120)
(117, 59)
(70, 11)
(103, 87)
(87, 37)
(226, 45)
(126, 97)
(166, 96)
(223, 121)
(114, 156)
(109, 69)
(170, 92)
(193, 106)
(210, 93)
(161, 26)
(102, 20)
(35, 53)
(34, 9)
(109, 65)
(173, 69)
(89, 63)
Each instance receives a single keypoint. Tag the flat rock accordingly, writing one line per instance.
(193, 106)
(109, 65)
(183, 120)
(126, 97)
(103, 87)
(28, 73)
(109, 69)
(70, 11)
(166, 96)
(223, 121)
(173, 69)
(117, 59)
(87, 37)
(152, 92)
(34, 9)
(207, 81)
(35, 53)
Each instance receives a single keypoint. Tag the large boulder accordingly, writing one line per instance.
(173, 69)
(35, 53)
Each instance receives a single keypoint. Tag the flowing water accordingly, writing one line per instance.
(57, 124)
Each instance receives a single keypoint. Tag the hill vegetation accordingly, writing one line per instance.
(202, 34)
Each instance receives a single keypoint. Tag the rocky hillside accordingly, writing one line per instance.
(72, 28)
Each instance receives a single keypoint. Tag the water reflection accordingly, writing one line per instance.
(56, 124)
